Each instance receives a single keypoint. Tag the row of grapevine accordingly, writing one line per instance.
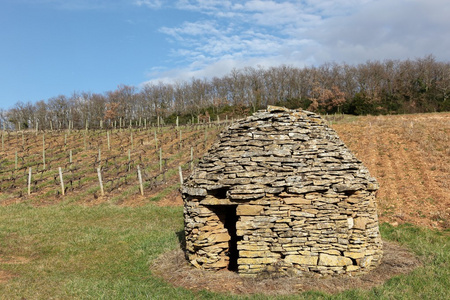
(38, 166)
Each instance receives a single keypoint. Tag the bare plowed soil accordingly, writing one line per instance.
(409, 155)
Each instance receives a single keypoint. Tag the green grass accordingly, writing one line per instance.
(165, 192)
(104, 252)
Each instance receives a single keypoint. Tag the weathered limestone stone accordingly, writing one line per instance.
(219, 237)
(249, 210)
(303, 260)
(222, 263)
(360, 223)
(354, 255)
(298, 199)
(334, 260)
(352, 268)
(194, 191)
(366, 261)
(257, 261)
(258, 253)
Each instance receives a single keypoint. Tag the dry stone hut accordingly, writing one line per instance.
(280, 192)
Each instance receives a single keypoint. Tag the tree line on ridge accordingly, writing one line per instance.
(373, 87)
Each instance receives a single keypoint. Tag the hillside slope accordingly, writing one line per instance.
(410, 157)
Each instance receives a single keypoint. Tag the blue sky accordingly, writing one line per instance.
(54, 47)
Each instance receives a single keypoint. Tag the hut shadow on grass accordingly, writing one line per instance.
(181, 239)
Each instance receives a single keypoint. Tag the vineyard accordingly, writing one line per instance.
(408, 154)
(94, 166)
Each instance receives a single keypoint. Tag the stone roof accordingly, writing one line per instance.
(274, 151)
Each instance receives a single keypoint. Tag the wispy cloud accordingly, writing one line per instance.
(239, 33)
(204, 6)
(200, 28)
(149, 3)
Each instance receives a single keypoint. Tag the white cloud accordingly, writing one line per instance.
(248, 33)
(200, 28)
(149, 3)
(205, 6)
(387, 29)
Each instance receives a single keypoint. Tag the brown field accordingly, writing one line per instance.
(409, 155)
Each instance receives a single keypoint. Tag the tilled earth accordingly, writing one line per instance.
(409, 155)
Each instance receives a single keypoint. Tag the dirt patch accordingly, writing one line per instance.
(173, 268)
(172, 199)
(5, 276)
(14, 260)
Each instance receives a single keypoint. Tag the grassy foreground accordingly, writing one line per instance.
(104, 252)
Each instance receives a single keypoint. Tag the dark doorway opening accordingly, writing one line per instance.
(227, 215)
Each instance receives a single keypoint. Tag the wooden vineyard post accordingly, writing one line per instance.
(145, 123)
(129, 155)
(61, 180)
(99, 173)
(109, 143)
(70, 156)
(180, 172)
(43, 150)
(99, 155)
(177, 122)
(141, 187)
(29, 181)
(160, 159)
(131, 139)
(156, 141)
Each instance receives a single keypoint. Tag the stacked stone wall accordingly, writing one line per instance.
(304, 203)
